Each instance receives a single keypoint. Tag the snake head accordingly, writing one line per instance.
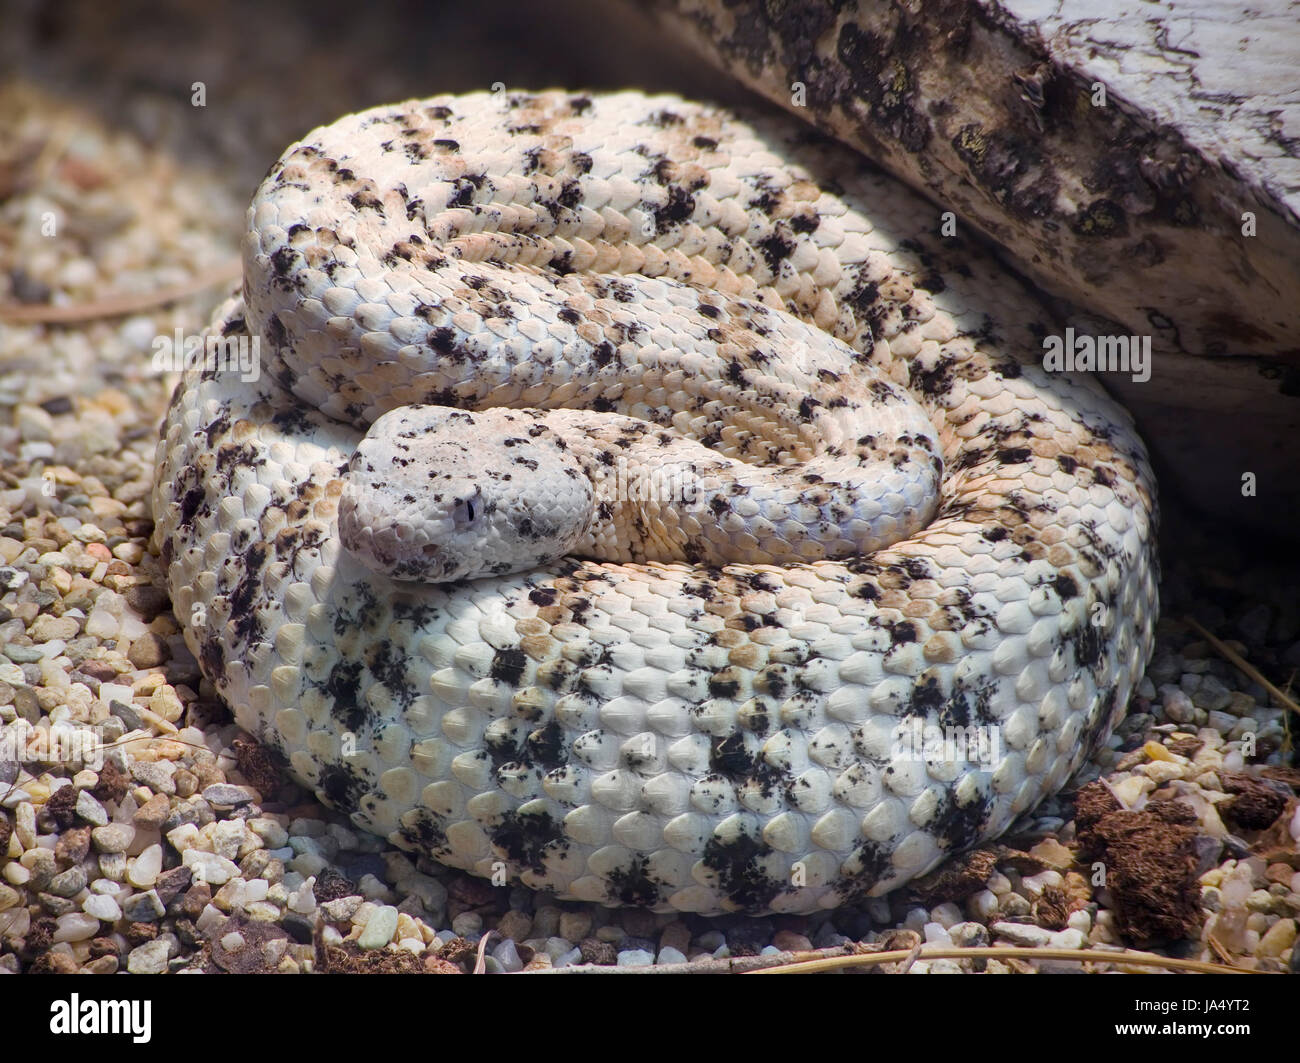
(438, 494)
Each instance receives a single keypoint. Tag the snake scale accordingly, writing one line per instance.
(424, 556)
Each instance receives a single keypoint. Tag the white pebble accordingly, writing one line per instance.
(76, 926)
(1023, 934)
(1033, 885)
(102, 907)
(208, 918)
(138, 332)
(227, 836)
(635, 958)
(149, 958)
(91, 810)
(102, 624)
(379, 928)
(115, 692)
(998, 883)
(937, 934)
(274, 835)
(144, 869)
(303, 900)
(946, 914)
(983, 905)
(1067, 939)
(213, 869)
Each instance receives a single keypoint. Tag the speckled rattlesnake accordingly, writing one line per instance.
(718, 732)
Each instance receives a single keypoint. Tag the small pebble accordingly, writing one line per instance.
(76, 926)
(227, 795)
(379, 928)
(143, 871)
(506, 954)
(102, 907)
(149, 958)
(1023, 934)
(209, 867)
(574, 926)
(143, 907)
(636, 958)
(91, 810)
(113, 838)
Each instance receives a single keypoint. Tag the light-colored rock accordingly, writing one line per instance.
(77, 926)
(211, 868)
(143, 871)
(150, 958)
(1025, 935)
(379, 928)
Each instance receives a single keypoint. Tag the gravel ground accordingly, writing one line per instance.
(182, 848)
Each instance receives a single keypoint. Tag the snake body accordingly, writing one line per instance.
(405, 557)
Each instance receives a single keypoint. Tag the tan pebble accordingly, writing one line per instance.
(1280, 873)
(113, 401)
(408, 928)
(148, 651)
(1162, 771)
(1052, 853)
(166, 704)
(130, 552)
(147, 684)
(105, 508)
(1279, 937)
(1130, 789)
(788, 941)
(47, 627)
(1155, 751)
(152, 813)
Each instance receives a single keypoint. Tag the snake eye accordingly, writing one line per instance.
(466, 511)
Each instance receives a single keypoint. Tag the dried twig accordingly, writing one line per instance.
(836, 958)
(1128, 957)
(117, 305)
(480, 962)
(1244, 665)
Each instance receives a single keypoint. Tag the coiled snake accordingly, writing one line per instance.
(494, 630)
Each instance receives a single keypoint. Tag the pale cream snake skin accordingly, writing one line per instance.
(714, 733)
